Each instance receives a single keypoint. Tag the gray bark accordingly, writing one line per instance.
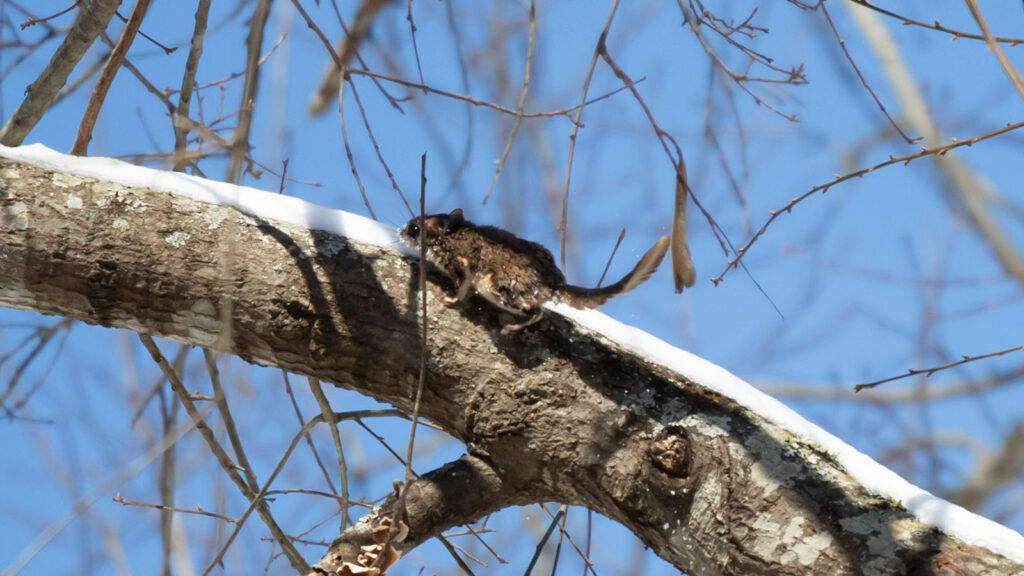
(549, 413)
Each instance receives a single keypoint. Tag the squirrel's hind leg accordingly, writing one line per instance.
(509, 328)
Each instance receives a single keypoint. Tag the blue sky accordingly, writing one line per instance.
(879, 275)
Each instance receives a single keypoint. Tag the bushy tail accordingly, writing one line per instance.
(578, 297)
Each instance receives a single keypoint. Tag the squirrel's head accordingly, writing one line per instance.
(431, 227)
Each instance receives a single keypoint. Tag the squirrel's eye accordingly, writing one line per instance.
(414, 230)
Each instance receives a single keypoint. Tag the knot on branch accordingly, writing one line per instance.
(670, 451)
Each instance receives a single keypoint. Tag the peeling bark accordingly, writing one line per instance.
(550, 413)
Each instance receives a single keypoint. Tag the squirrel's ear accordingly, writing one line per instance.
(455, 217)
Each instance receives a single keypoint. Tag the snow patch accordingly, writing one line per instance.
(248, 200)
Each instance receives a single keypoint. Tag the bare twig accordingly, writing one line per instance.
(198, 511)
(622, 234)
(99, 92)
(585, 556)
(33, 21)
(853, 64)
(456, 35)
(957, 34)
(349, 48)
(399, 511)
(309, 440)
(485, 104)
(223, 459)
(240, 138)
(259, 497)
(360, 28)
(990, 41)
(893, 160)
(967, 189)
(328, 414)
(415, 47)
(188, 82)
(519, 107)
(168, 469)
(376, 149)
(543, 541)
(564, 220)
(564, 510)
(794, 76)
(44, 90)
(348, 149)
(929, 371)
(43, 336)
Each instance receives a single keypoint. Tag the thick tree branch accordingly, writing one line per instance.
(457, 493)
(554, 412)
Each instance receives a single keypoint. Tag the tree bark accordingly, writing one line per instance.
(550, 413)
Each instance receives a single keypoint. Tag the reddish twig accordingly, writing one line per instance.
(956, 34)
(925, 151)
(853, 64)
(564, 220)
(622, 234)
(519, 107)
(33, 21)
(99, 93)
(929, 371)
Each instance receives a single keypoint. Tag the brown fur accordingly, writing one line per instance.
(514, 274)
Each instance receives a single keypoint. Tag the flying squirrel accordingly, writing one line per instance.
(516, 275)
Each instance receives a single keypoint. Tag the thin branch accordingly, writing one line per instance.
(585, 556)
(44, 335)
(893, 160)
(795, 76)
(485, 104)
(399, 510)
(522, 102)
(259, 497)
(993, 46)
(44, 90)
(198, 511)
(223, 459)
(33, 21)
(325, 409)
(99, 92)
(240, 138)
(863, 81)
(309, 440)
(415, 47)
(929, 371)
(564, 509)
(188, 82)
(622, 234)
(376, 148)
(957, 34)
(966, 189)
(543, 541)
(563, 223)
(168, 469)
(348, 150)
(329, 85)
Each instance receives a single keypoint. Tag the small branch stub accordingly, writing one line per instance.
(670, 452)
